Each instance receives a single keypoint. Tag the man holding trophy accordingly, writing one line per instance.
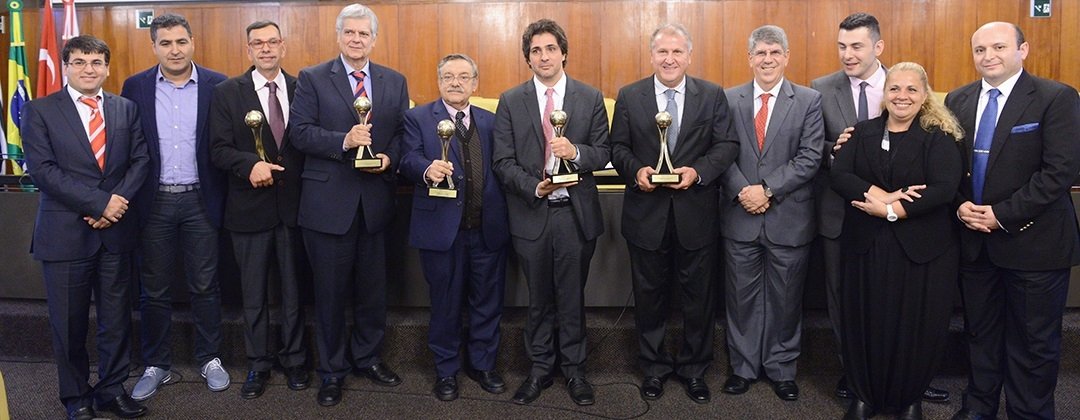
(668, 211)
(459, 224)
(250, 142)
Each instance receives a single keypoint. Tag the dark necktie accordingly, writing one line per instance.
(864, 109)
(673, 129)
(459, 126)
(980, 154)
(277, 118)
(360, 91)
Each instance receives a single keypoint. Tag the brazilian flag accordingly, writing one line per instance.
(18, 85)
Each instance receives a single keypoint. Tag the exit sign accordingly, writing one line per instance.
(1040, 8)
(143, 19)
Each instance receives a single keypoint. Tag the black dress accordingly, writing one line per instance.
(899, 277)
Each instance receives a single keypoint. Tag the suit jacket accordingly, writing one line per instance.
(141, 89)
(232, 149)
(838, 111)
(787, 165)
(921, 157)
(1034, 159)
(72, 185)
(706, 142)
(435, 221)
(519, 155)
(322, 113)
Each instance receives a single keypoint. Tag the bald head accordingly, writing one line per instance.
(999, 50)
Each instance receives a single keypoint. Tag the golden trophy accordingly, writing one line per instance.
(254, 119)
(365, 157)
(664, 168)
(445, 129)
(564, 171)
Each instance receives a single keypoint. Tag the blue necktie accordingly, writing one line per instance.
(980, 154)
(673, 129)
(864, 109)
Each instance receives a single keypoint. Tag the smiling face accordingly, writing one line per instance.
(858, 52)
(768, 62)
(86, 72)
(905, 93)
(546, 58)
(174, 49)
(266, 49)
(356, 40)
(670, 58)
(997, 57)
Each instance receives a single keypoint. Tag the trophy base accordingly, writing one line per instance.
(565, 178)
(665, 178)
(367, 163)
(442, 192)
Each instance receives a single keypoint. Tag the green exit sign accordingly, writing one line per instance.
(1040, 8)
(143, 19)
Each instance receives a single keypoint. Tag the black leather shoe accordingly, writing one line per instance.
(912, 412)
(530, 390)
(842, 390)
(330, 391)
(297, 377)
(736, 385)
(380, 374)
(445, 388)
(786, 390)
(697, 390)
(489, 380)
(858, 410)
(652, 388)
(124, 407)
(580, 391)
(965, 414)
(935, 395)
(83, 413)
(254, 385)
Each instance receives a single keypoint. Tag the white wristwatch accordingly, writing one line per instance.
(890, 214)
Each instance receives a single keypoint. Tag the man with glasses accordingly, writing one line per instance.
(262, 201)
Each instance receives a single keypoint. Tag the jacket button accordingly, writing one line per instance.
(280, 159)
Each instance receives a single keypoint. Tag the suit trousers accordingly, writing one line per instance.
(1013, 321)
(178, 224)
(763, 297)
(470, 275)
(257, 254)
(653, 272)
(349, 267)
(556, 266)
(833, 258)
(68, 286)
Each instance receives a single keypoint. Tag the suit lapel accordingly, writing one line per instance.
(483, 130)
(1015, 105)
(438, 113)
(967, 103)
(112, 119)
(532, 108)
(205, 91)
(71, 115)
(781, 109)
(249, 100)
(843, 96)
(569, 104)
(340, 79)
(691, 108)
(148, 109)
(745, 118)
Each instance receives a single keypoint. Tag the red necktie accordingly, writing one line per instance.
(549, 131)
(761, 119)
(97, 131)
(359, 75)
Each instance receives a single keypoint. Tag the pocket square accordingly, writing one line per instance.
(1025, 128)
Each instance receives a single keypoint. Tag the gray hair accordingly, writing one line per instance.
(672, 29)
(456, 56)
(358, 11)
(769, 34)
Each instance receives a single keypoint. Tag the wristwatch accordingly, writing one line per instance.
(891, 215)
(768, 191)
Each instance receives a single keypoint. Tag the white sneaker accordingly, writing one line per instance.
(217, 379)
(148, 384)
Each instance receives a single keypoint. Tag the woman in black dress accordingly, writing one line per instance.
(900, 173)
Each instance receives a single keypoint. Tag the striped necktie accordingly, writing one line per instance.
(96, 128)
(360, 91)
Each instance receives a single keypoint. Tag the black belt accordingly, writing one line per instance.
(177, 188)
(563, 202)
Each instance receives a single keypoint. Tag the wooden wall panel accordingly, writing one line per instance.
(608, 38)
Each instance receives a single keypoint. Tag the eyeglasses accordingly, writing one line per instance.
(81, 64)
(258, 44)
(462, 78)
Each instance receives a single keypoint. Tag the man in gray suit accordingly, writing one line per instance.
(850, 95)
(767, 202)
(553, 226)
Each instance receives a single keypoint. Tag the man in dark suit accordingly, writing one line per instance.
(553, 226)
(767, 201)
(671, 229)
(344, 210)
(1020, 234)
(87, 167)
(262, 201)
(462, 241)
(179, 206)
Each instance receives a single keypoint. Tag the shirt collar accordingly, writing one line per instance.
(453, 111)
(660, 88)
(775, 91)
(560, 86)
(349, 69)
(1005, 87)
(194, 74)
(75, 95)
(260, 82)
(876, 80)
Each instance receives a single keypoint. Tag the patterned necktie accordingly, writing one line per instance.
(360, 91)
(97, 131)
(277, 118)
(673, 129)
(980, 154)
(549, 131)
(864, 109)
(459, 126)
(761, 119)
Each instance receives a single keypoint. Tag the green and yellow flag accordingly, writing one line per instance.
(19, 87)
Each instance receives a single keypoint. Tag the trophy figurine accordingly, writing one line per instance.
(445, 129)
(563, 172)
(254, 119)
(664, 169)
(365, 157)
